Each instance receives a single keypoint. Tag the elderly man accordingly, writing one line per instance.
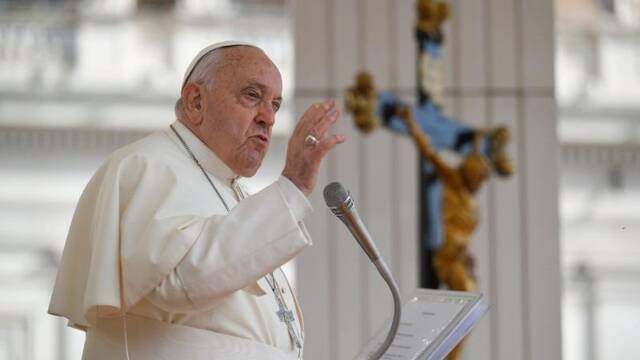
(167, 256)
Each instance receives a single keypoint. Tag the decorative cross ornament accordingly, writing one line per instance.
(285, 315)
(448, 211)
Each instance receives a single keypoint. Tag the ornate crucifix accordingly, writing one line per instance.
(448, 214)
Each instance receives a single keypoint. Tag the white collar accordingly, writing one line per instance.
(207, 158)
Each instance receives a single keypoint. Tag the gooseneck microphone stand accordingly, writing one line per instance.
(342, 206)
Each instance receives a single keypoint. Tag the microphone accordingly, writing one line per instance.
(343, 206)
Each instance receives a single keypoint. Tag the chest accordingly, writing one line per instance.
(208, 196)
(459, 209)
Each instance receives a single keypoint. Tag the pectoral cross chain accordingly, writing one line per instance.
(284, 314)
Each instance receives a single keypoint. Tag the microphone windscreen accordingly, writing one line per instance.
(335, 194)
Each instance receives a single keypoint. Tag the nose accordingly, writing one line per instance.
(266, 114)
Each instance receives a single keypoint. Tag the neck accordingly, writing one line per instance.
(195, 130)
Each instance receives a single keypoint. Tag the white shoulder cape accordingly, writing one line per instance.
(140, 208)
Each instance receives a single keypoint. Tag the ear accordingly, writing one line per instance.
(192, 102)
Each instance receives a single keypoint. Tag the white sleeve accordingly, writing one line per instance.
(298, 202)
(262, 232)
(170, 295)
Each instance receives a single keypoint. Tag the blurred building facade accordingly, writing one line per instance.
(80, 78)
(77, 80)
(598, 72)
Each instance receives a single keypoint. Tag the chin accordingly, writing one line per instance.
(248, 166)
(247, 173)
(250, 170)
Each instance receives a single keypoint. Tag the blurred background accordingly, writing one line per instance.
(598, 97)
(81, 78)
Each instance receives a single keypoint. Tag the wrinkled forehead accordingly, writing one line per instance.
(248, 63)
(241, 57)
(244, 56)
(231, 57)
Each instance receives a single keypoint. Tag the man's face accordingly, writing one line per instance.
(239, 110)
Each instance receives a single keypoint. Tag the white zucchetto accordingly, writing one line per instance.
(207, 50)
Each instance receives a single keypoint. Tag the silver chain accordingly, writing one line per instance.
(195, 159)
(283, 312)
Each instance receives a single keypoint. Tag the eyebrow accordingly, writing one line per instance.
(263, 87)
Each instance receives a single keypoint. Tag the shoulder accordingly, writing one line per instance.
(155, 147)
(154, 156)
(156, 150)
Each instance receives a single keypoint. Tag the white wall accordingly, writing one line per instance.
(498, 70)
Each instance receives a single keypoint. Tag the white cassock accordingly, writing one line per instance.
(151, 238)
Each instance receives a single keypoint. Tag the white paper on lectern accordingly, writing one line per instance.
(432, 323)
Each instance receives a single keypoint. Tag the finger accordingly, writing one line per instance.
(319, 109)
(313, 115)
(313, 112)
(329, 104)
(325, 123)
(329, 143)
(306, 121)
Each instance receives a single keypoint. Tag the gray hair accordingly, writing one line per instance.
(203, 73)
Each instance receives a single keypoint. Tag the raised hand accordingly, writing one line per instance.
(309, 144)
